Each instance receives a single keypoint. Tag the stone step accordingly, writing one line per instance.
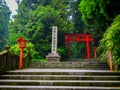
(67, 63)
(75, 66)
(21, 87)
(58, 71)
(94, 65)
(79, 61)
(61, 82)
(59, 77)
(86, 67)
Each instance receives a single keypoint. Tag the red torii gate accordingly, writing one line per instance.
(80, 38)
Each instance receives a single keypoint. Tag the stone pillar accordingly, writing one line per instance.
(53, 56)
(54, 39)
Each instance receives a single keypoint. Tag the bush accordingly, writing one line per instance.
(111, 41)
(28, 50)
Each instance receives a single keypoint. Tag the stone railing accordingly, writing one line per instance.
(10, 61)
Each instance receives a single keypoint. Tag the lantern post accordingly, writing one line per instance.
(95, 52)
(22, 45)
(111, 63)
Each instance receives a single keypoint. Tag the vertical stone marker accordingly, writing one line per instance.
(53, 56)
(54, 39)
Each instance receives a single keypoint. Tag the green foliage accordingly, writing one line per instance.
(39, 60)
(93, 8)
(39, 28)
(4, 23)
(75, 16)
(35, 20)
(15, 49)
(28, 50)
(14, 37)
(97, 15)
(111, 40)
(77, 50)
(62, 53)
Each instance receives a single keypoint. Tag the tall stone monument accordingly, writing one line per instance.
(53, 56)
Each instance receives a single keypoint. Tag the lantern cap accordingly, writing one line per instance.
(21, 40)
(22, 43)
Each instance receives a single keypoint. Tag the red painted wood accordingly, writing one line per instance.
(95, 52)
(21, 57)
(22, 45)
(88, 47)
(111, 63)
(80, 38)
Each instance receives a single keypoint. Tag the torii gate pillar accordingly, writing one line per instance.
(88, 47)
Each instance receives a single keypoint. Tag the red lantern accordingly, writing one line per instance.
(22, 42)
(22, 45)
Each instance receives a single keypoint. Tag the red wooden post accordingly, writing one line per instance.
(88, 47)
(80, 38)
(95, 52)
(111, 63)
(67, 40)
(22, 45)
(21, 57)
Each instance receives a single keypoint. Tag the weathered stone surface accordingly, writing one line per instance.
(60, 79)
(84, 64)
(53, 56)
(57, 78)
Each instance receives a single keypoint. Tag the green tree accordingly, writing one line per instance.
(4, 23)
(98, 15)
(77, 48)
(40, 25)
(75, 16)
(35, 20)
(111, 40)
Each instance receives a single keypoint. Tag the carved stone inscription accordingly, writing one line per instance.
(54, 39)
(53, 56)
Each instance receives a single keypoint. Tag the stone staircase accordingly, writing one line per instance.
(43, 76)
(81, 64)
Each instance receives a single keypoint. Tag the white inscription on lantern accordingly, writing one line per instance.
(54, 39)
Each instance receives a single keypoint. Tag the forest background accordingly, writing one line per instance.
(35, 18)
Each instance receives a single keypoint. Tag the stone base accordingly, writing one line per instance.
(53, 57)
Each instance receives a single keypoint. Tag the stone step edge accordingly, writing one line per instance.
(75, 66)
(90, 68)
(71, 72)
(61, 70)
(105, 76)
(59, 77)
(71, 81)
(58, 87)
